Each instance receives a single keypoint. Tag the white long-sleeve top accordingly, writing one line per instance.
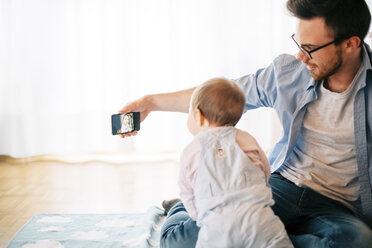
(190, 160)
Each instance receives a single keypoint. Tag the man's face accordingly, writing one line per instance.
(326, 61)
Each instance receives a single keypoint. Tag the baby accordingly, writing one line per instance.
(126, 123)
(224, 174)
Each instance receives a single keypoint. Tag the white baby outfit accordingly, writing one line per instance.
(230, 195)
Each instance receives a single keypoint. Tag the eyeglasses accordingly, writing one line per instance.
(307, 52)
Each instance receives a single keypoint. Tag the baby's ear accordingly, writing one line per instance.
(199, 117)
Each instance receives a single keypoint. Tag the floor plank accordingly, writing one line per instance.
(28, 187)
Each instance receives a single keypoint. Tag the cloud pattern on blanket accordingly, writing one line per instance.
(51, 229)
(140, 230)
(116, 223)
(54, 219)
(91, 235)
(44, 244)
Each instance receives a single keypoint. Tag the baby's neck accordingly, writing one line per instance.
(213, 126)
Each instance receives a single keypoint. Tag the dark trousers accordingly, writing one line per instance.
(312, 220)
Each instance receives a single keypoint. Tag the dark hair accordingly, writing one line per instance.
(346, 18)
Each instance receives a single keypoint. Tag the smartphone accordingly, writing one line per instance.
(125, 123)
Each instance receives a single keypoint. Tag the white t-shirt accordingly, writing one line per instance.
(324, 157)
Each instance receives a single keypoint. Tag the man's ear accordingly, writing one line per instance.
(353, 43)
(199, 117)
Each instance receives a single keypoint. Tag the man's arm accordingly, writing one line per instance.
(175, 101)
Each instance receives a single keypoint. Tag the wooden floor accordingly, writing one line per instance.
(28, 187)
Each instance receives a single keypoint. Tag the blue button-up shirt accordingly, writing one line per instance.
(287, 86)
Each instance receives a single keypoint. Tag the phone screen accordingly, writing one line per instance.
(125, 123)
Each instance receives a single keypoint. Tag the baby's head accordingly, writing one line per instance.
(125, 119)
(217, 102)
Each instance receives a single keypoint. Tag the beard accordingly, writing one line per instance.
(325, 70)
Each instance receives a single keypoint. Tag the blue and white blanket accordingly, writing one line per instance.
(91, 230)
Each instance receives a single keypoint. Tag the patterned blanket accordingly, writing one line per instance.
(91, 230)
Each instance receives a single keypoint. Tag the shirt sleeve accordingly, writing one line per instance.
(254, 152)
(189, 164)
(261, 88)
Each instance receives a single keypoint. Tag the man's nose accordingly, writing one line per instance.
(301, 56)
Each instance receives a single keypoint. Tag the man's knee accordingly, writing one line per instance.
(168, 239)
(183, 235)
(179, 231)
(357, 234)
(333, 231)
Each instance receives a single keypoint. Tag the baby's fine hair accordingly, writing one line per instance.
(220, 100)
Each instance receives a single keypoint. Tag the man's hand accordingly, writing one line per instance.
(142, 105)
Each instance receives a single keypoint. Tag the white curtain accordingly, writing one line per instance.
(67, 65)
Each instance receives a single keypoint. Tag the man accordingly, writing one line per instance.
(322, 166)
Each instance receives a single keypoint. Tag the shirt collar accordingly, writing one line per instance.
(366, 50)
